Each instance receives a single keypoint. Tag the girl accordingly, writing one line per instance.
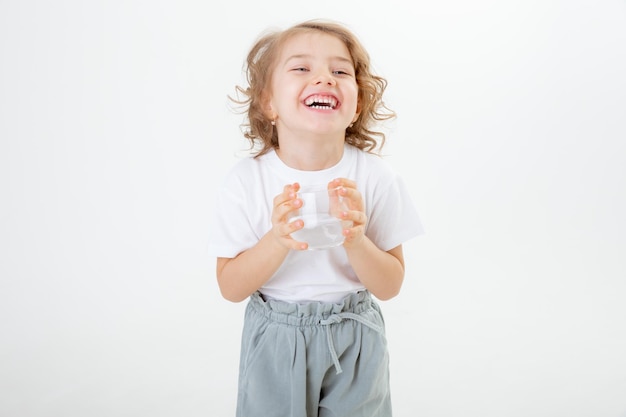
(313, 340)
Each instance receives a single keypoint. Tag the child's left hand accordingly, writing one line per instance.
(356, 212)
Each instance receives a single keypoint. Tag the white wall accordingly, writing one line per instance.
(115, 128)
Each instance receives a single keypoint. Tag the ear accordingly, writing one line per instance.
(358, 111)
(271, 114)
(268, 109)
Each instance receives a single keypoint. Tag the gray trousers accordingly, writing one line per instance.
(314, 359)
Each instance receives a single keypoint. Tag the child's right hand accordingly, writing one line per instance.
(285, 203)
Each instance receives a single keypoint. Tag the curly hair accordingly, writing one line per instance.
(260, 63)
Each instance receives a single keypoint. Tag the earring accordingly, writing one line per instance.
(273, 122)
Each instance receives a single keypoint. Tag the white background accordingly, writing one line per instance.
(115, 129)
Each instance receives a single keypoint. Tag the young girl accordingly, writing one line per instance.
(313, 340)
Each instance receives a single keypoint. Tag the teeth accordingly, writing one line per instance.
(321, 102)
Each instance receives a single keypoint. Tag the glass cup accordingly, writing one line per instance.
(321, 213)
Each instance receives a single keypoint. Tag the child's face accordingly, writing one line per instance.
(314, 88)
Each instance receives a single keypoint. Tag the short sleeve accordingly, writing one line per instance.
(393, 218)
(230, 230)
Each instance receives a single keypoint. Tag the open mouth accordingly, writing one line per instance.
(321, 102)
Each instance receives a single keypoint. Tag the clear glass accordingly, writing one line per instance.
(321, 211)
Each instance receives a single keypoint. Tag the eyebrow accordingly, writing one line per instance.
(333, 58)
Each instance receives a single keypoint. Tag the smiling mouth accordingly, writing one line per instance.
(321, 102)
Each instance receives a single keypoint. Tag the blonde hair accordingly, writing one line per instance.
(260, 63)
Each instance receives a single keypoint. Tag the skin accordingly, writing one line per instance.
(312, 65)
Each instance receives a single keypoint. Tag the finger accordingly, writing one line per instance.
(282, 211)
(293, 244)
(355, 216)
(353, 234)
(342, 182)
(352, 197)
(289, 241)
(297, 245)
(289, 193)
(347, 192)
(292, 226)
(285, 203)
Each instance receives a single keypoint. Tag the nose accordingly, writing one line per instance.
(324, 77)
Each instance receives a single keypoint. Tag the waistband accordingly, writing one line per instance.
(310, 313)
(318, 314)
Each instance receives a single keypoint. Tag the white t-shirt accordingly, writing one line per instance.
(243, 216)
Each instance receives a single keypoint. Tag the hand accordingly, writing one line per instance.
(356, 210)
(285, 203)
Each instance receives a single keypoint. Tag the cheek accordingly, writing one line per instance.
(284, 95)
(354, 101)
(353, 93)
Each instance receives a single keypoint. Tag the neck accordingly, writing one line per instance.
(311, 155)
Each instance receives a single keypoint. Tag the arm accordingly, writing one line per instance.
(381, 272)
(242, 275)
